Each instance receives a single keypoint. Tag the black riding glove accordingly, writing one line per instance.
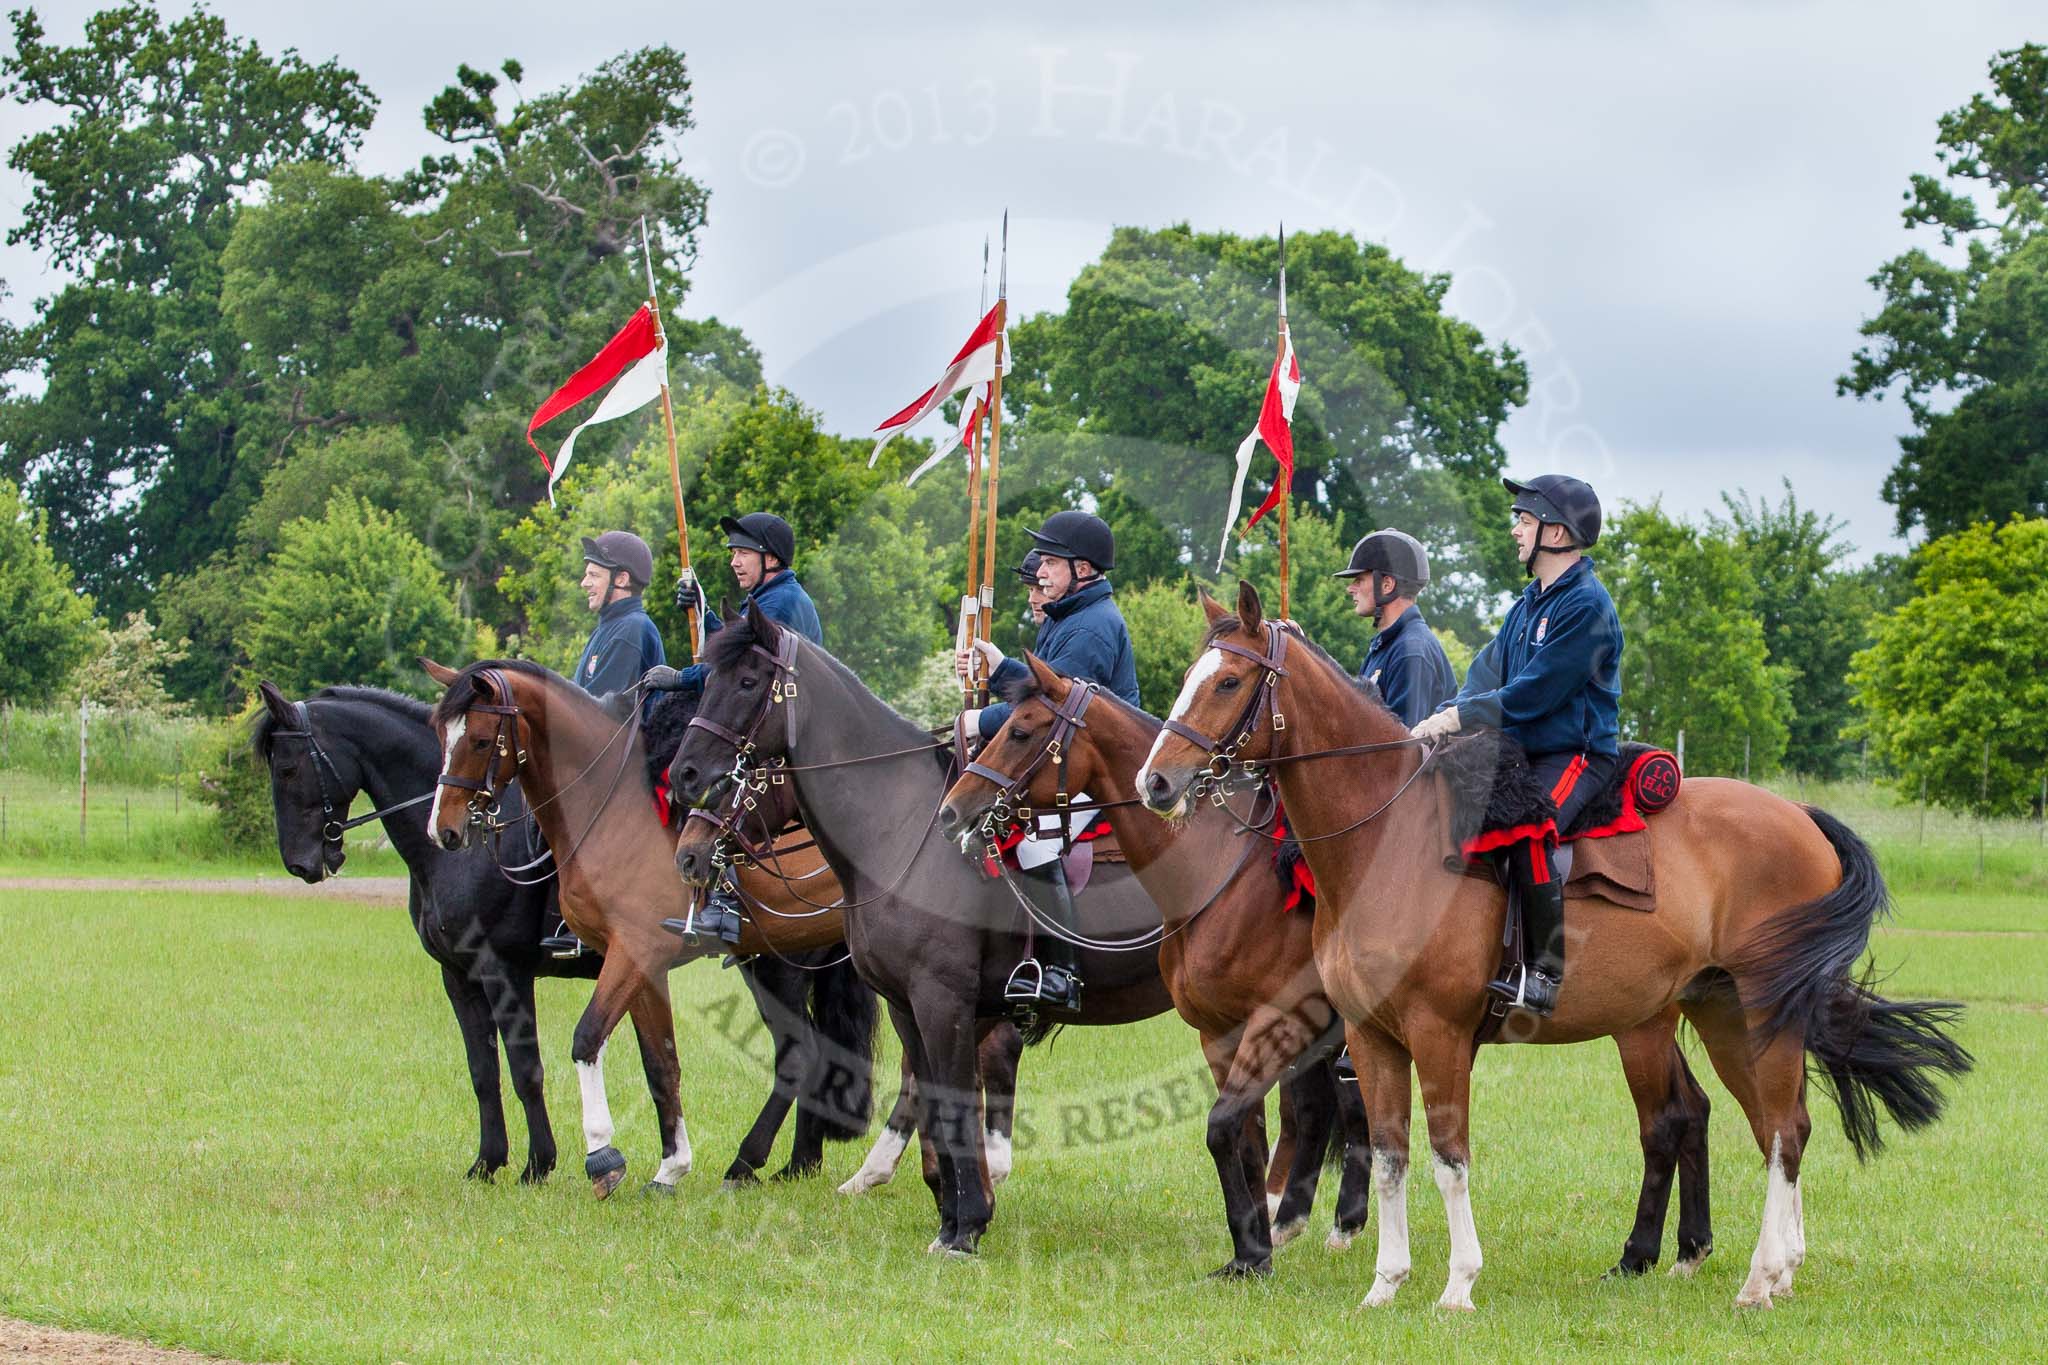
(661, 678)
(689, 596)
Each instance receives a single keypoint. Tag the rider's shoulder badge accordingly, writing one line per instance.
(1376, 676)
(1542, 626)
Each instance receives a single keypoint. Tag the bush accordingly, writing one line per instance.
(352, 598)
(233, 781)
(129, 747)
(46, 629)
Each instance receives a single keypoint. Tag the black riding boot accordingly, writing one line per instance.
(1051, 979)
(714, 922)
(1534, 988)
(562, 944)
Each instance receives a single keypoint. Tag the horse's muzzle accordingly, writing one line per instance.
(1163, 793)
(693, 864)
(451, 839)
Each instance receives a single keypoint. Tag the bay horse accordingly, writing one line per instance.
(583, 773)
(1238, 967)
(926, 931)
(1244, 973)
(485, 929)
(1763, 911)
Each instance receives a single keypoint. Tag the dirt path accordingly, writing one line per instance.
(26, 1341)
(365, 890)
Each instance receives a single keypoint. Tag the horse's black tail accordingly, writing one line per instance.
(846, 1011)
(1800, 969)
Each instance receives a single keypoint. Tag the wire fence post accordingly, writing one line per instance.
(1983, 802)
(83, 712)
(1923, 808)
(1681, 752)
(1745, 758)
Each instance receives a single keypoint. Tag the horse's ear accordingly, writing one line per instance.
(275, 702)
(440, 673)
(766, 631)
(1048, 678)
(1213, 609)
(1249, 611)
(725, 611)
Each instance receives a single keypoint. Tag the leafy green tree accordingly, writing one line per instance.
(1693, 656)
(46, 629)
(1816, 613)
(1319, 603)
(1156, 368)
(880, 594)
(126, 671)
(1954, 685)
(352, 598)
(1165, 624)
(1966, 338)
(160, 131)
(208, 609)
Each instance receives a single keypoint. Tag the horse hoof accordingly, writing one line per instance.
(606, 1169)
(481, 1169)
(536, 1172)
(733, 1184)
(1237, 1268)
(1625, 1269)
(1288, 1231)
(656, 1187)
(941, 1247)
(1338, 1240)
(1686, 1266)
(795, 1172)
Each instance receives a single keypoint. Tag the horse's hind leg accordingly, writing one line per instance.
(1695, 1196)
(1770, 1084)
(779, 1000)
(1383, 1079)
(1656, 1081)
(882, 1159)
(480, 1047)
(1443, 1065)
(654, 1025)
(520, 1028)
(1314, 1108)
(1281, 1173)
(1354, 1190)
(1000, 1055)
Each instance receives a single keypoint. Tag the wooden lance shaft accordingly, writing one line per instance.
(995, 464)
(970, 616)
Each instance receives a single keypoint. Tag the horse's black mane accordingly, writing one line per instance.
(726, 645)
(264, 726)
(446, 708)
(1027, 689)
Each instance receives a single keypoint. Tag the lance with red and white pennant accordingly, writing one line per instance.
(1275, 428)
(994, 473)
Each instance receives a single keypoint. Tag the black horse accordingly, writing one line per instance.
(934, 938)
(485, 930)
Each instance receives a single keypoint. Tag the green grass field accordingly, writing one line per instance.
(238, 1124)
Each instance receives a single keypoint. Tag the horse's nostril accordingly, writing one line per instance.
(949, 819)
(1157, 787)
(451, 840)
(686, 778)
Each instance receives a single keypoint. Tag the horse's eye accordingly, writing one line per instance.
(748, 684)
(479, 744)
(1229, 684)
(1020, 736)
(288, 770)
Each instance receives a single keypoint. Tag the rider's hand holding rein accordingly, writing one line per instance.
(1443, 723)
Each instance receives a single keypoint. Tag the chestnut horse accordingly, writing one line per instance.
(1244, 973)
(1763, 911)
(583, 773)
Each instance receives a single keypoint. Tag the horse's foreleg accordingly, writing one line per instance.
(1280, 1174)
(772, 988)
(1311, 1097)
(1244, 1203)
(616, 984)
(1443, 1065)
(948, 1087)
(480, 1047)
(1382, 1066)
(654, 1026)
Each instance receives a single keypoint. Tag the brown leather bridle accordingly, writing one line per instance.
(1009, 803)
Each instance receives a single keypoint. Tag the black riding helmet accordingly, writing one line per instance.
(763, 532)
(1560, 500)
(616, 550)
(1394, 553)
(1027, 572)
(1389, 552)
(1078, 535)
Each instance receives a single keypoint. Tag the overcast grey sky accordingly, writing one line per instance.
(1671, 209)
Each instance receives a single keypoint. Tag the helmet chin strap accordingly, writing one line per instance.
(1529, 565)
(1380, 599)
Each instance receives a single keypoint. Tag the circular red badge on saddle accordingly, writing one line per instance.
(1655, 778)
